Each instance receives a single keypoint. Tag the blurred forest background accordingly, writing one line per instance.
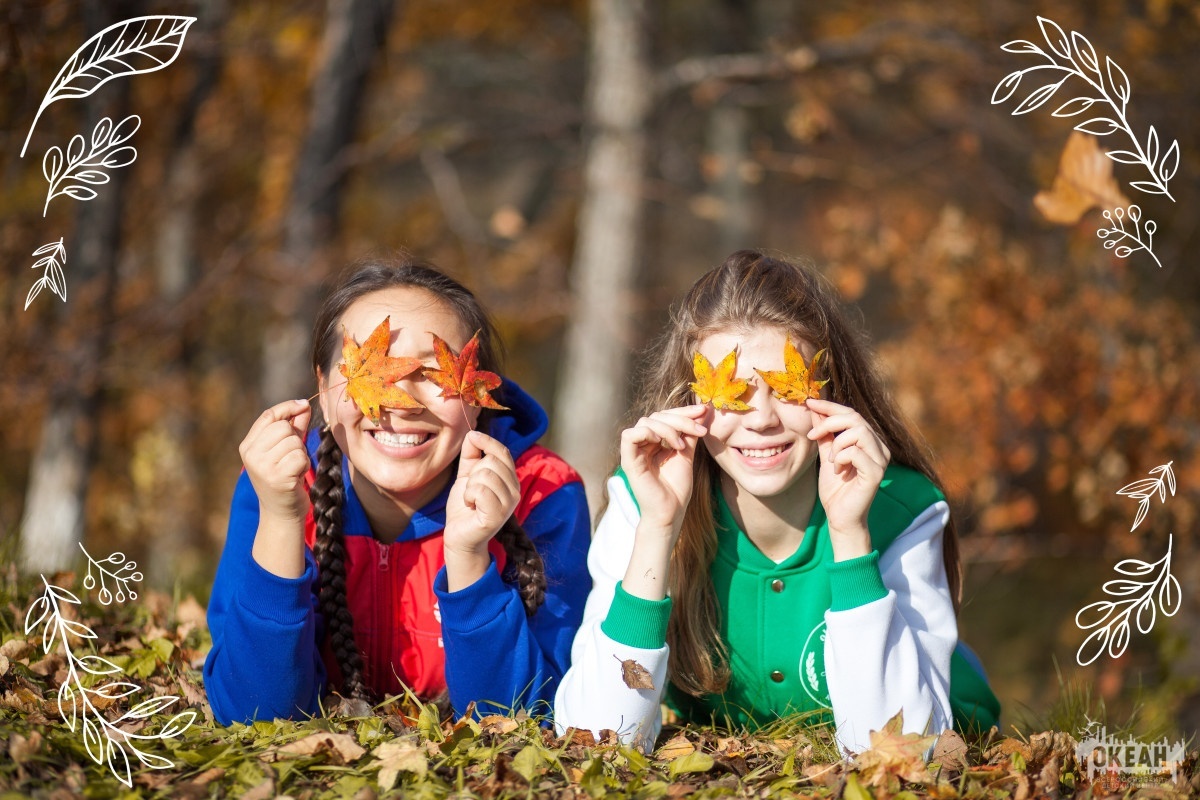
(579, 164)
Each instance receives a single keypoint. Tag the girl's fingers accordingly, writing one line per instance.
(826, 407)
(668, 434)
(490, 446)
(280, 412)
(488, 481)
(689, 419)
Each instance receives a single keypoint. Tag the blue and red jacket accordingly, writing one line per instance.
(270, 656)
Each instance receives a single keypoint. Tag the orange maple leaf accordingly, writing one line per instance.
(1084, 180)
(895, 753)
(718, 386)
(458, 374)
(796, 381)
(371, 373)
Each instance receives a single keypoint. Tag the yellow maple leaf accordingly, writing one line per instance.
(371, 374)
(896, 753)
(718, 386)
(796, 381)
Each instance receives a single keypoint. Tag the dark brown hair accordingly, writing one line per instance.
(749, 290)
(328, 493)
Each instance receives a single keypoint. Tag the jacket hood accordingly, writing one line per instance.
(523, 424)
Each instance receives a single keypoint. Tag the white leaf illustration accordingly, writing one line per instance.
(92, 176)
(1037, 98)
(1149, 187)
(1007, 86)
(77, 147)
(116, 690)
(1087, 53)
(1099, 126)
(66, 595)
(178, 724)
(66, 699)
(1074, 106)
(1055, 37)
(121, 157)
(152, 761)
(98, 665)
(1117, 79)
(148, 708)
(1152, 146)
(34, 291)
(1170, 162)
(92, 740)
(1021, 46)
(79, 192)
(1124, 156)
(40, 607)
(135, 46)
(52, 164)
(118, 762)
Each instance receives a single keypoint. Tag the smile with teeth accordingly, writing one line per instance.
(763, 453)
(400, 439)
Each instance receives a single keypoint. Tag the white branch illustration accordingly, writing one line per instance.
(102, 739)
(135, 46)
(1146, 488)
(1144, 594)
(1121, 240)
(53, 257)
(122, 581)
(84, 161)
(1076, 57)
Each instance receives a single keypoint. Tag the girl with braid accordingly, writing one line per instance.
(437, 549)
(776, 540)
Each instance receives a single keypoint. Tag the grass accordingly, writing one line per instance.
(403, 748)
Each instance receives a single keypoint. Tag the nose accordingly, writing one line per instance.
(762, 415)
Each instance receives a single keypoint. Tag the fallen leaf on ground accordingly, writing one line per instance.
(340, 746)
(396, 756)
(675, 747)
(717, 386)
(371, 373)
(895, 753)
(635, 675)
(458, 374)
(796, 382)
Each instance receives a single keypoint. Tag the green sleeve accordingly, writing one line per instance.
(637, 622)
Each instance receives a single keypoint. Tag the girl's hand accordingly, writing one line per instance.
(853, 460)
(483, 496)
(276, 460)
(657, 455)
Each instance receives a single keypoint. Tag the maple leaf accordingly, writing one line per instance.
(1084, 180)
(894, 753)
(635, 675)
(458, 374)
(371, 373)
(396, 756)
(796, 381)
(718, 386)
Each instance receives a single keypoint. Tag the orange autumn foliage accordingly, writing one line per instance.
(797, 381)
(371, 373)
(458, 374)
(718, 386)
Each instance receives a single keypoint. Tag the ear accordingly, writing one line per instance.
(327, 406)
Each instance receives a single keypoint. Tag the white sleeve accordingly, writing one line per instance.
(593, 695)
(894, 653)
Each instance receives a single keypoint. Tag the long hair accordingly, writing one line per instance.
(327, 492)
(749, 290)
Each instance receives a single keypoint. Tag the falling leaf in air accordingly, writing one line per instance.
(895, 753)
(1084, 181)
(458, 375)
(634, 674)
(371, 373)
(718, 386)
(796, 382)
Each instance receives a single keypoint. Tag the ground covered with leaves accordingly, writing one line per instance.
(404, 748)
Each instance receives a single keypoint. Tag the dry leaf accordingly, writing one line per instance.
(341, 746)
(797, 381)
(371, 373)
(21, 749)
(263, 791)
(494, 723)
(635, 675)
(16, 649)
(396, 756)
(675, 747)
(458, 374)
(1084, 181)
(718, 386)
(895, 753)
(951, 752)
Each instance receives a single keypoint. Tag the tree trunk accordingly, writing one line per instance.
(168, 483)
(52, 525)
(355, 31)
(592, 390)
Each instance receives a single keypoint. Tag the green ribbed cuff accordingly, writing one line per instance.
(636, 622)
(855, 582)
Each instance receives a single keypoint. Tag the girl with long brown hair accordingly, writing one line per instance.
(429, 546)
(783, 548)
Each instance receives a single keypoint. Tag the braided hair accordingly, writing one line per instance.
(327, 493)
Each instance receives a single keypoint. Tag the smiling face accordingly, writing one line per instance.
(404, 460)
(765, 450)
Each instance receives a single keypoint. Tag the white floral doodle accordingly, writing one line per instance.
(103, 740)
(85, 162)
(53, 257)
(1122, 237)
(131, 47)
(1074, 56)
(122, 582)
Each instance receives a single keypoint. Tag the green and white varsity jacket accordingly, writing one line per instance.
(864, 638)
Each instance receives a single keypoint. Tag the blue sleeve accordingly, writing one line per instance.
(264, 661)
(497, 656)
